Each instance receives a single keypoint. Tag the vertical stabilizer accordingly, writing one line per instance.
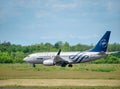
(101, 46)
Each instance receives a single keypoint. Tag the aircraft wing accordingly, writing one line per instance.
(58, 60)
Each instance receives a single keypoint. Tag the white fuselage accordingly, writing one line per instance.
(71, 57)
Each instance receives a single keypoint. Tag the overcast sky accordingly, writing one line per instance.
(29, 22)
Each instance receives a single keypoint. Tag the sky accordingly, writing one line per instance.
(28, 22)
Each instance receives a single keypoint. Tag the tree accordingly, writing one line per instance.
(12, 53)
(58, 45)
(19, 57)
(66, 47)
(5, 58)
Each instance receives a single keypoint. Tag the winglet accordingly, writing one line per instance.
(59, 52)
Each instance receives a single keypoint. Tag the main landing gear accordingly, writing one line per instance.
(64, 65)
(34, 65)
(70, 65)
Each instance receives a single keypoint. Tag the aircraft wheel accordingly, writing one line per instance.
(63, 65)
(70, 65)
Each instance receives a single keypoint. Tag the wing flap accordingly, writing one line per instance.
(59, 60)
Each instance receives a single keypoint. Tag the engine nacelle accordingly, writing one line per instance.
(48, 62)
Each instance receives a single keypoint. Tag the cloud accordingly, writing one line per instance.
(62, 36)
(85, 37)
(113, 6)
(64, 6)
(60, 4)
(44, 14)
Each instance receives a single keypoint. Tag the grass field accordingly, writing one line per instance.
(81, 71)
(82, 76)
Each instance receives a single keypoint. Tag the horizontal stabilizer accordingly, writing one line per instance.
(113, 52)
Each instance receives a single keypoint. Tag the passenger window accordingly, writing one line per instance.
(40, 58)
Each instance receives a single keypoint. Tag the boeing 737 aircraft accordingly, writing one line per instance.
(68, 58)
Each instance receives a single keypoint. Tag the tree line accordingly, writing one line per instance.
(12, 53)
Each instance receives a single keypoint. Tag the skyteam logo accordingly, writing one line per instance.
(78, 58)
(103, 43)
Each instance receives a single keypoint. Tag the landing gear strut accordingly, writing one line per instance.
(33, 65)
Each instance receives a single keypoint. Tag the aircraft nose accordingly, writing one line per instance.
(25, 59)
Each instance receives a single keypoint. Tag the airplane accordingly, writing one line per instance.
(68, 58)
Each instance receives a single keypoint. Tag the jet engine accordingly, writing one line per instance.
(48, 62)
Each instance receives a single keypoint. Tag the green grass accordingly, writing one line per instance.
(79, 71)
(60, 87)
(78, 67)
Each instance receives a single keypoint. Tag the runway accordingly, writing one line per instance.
(59, 82)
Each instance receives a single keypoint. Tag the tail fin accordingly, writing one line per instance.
(101, 46)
